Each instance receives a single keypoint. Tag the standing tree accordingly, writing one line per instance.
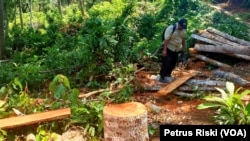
(2, 37)
(81, 5)
(20, 12)
(59, 5)
(31, 17)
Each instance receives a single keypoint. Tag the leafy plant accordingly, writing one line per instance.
(231, 108)
(89, 114)
(62, 92)
(3, 134)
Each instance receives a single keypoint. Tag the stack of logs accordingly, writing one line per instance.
(215, 41)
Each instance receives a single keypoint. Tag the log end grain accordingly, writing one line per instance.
(125, 109)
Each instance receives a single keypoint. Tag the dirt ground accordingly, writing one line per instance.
(175, 109)
(178, 110)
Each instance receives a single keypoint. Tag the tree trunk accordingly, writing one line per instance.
(211, 61)
(227, 36)
(2, 37)
(125, 122)
(59, 5)
(21, 13)
(31, 16)
(81, 5)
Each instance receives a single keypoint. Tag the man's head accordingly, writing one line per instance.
(183, 23)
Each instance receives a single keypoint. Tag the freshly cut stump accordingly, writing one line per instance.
(125, 122)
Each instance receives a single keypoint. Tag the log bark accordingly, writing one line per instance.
(198, 88)
(217, 38)
(189, 95)
(216, 49)
(211, 61)
(206, 82)
(125, 122)
(206, 40)
(240, 56)
(227, 36)
(220, 49)
(232, 49)
(231, 77)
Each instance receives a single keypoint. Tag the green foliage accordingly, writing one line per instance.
(45, 134)
(89, 114)
(124, 95)
(145, 23)
(62, 93)
(3, 134)
(231, 108)
(15, 96)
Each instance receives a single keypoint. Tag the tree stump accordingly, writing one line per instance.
(125, 122)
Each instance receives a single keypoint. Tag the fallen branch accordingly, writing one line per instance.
(91, 93)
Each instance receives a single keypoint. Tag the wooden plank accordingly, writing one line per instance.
(175, 84)
(13, 122)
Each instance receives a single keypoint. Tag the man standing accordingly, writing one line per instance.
(173, 44)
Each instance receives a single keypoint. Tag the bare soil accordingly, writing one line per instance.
(178, 110)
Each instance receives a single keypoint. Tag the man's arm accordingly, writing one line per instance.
(168, 33)
(165, 45)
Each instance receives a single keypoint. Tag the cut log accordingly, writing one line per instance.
(210, 48)
(240, 56)
(189, 95)
(193, 51)
(231, 77)
(34, 118)
(197, 88)
(206, 82)
(231, 49)
(217, 38)
(227, 36)
(125, 122)
(220, 49)
(216, 49)
(211, 61)
(206, 40)
(175, 84)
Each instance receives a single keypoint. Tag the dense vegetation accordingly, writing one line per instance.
(52, 51)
